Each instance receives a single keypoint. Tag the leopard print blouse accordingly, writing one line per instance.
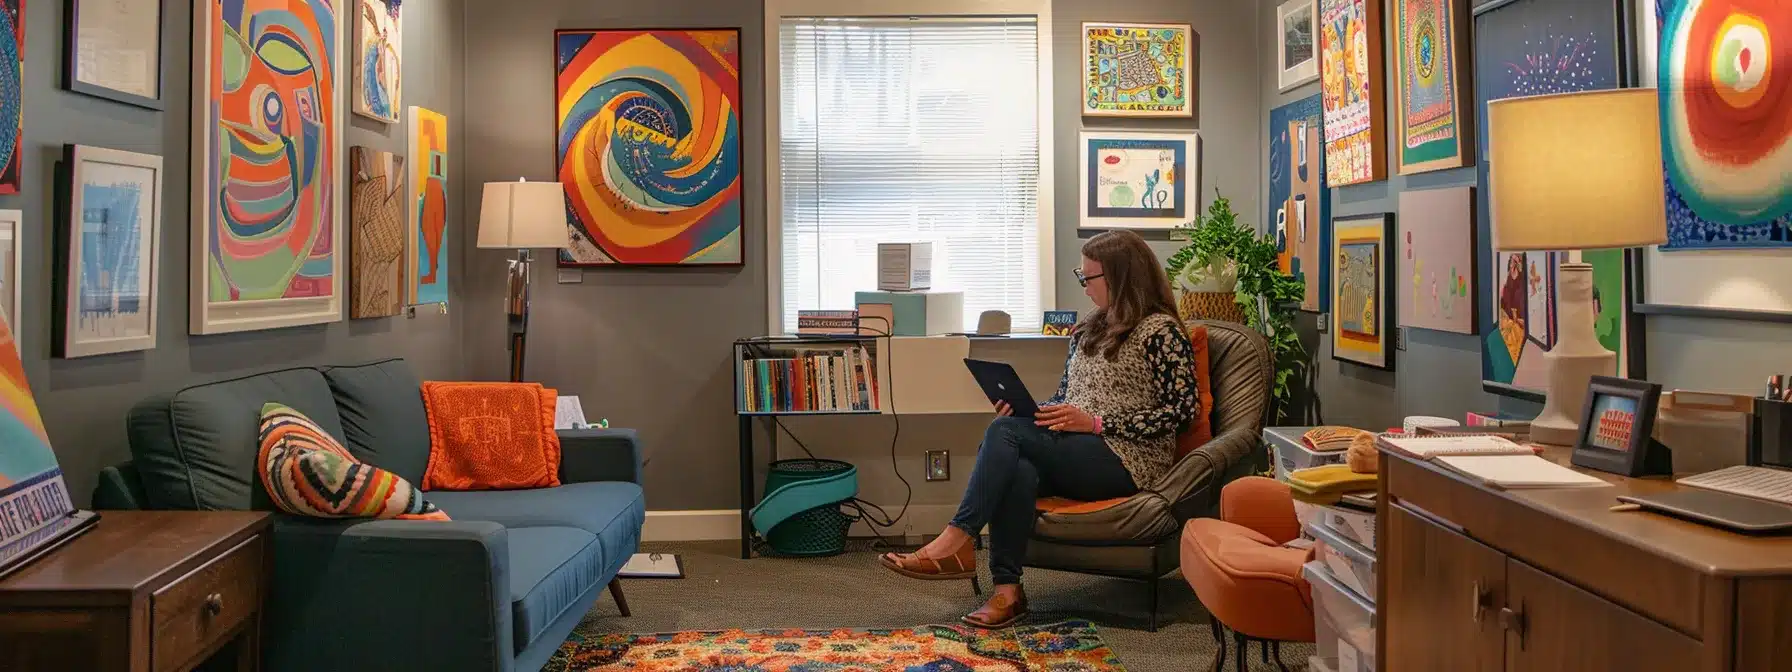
(1145, 396)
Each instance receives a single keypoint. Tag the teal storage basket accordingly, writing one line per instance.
(800, 515)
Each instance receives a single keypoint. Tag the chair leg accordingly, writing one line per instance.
(1265, 644)
(1219, 642)
(976, 587)
(616, 592)
(1243, 659)
(1152, 627)
(1277, 653)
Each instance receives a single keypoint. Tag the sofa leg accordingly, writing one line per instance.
(621, 601)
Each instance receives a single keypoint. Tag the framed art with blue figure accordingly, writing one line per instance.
(36, 513)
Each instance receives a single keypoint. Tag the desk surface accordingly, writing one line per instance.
(127, 551)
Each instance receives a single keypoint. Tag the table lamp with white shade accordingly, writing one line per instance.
(522, 216)
(1571, 172)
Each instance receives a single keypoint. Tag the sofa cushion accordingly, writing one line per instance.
(196, 448)
(598, 508)
(382, 415)
(490, 436)
(308, 473)
(550, 569)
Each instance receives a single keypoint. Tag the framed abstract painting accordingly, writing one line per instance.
(1138, 180)
(648, 146)
(377, 233)
(12, 245)
(1363, 290)
(1297, 56)
(1433, 102)
(1139, 70)
(1299, 203)
(379, 47)
(1525, 48)
(1351, 90)
(426, 251)
(110, 251)
(1437, 259)
(268, 163)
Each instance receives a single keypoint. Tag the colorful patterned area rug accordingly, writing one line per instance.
(1071, 646)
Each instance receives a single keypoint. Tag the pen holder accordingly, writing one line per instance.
(1770, 435)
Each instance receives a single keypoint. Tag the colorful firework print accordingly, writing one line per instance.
(1138, 70)
(427, 257)
(1350, 89)
(1071, 646)
(647, 144)
(12, 101)
(1724, 73)
(1432, 95)
(268, 162)
(378, 75)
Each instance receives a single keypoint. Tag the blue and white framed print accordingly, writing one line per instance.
(1139, 180)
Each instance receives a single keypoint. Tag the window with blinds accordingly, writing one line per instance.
(910, 130)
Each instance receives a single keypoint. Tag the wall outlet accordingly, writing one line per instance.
(939, 465)
(1400, 339)
(1325, 321)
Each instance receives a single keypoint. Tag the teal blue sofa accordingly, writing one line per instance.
(497, 589)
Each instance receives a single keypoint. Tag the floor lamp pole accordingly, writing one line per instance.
(518, 309)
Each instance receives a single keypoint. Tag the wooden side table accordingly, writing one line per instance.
(144, 591)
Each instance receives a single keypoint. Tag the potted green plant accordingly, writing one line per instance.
(1218, 252)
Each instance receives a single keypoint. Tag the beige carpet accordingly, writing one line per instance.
(722, 591)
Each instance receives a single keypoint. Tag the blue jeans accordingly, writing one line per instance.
(1019, 462)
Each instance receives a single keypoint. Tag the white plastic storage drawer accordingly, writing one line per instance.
(1292, 454)
(1350, 564)
(1351, 524)
(1343, 624)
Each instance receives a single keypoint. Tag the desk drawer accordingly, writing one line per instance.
(194, 614)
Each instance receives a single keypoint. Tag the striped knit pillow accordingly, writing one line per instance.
(308, 473)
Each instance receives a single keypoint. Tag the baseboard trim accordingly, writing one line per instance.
(724, 524)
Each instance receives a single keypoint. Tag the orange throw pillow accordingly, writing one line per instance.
(1200, 431)
(491, 436)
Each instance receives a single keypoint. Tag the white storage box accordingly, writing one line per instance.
(904, 267)
(1350, 564)
(1343, 625)
(1351, 524)
(1309, 515)
(1292, 454)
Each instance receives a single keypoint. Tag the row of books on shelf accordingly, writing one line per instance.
(815, 380)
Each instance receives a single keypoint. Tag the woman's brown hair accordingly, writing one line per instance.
(1137, 289)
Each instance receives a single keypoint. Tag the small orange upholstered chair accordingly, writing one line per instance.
(1250, 583)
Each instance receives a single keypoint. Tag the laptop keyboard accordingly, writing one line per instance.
(1772, 485)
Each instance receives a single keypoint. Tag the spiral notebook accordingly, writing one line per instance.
(1429, 447)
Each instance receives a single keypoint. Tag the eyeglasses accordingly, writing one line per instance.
(1084, 280)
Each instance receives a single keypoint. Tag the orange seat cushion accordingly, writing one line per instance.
(491, 436)
(1067, 505)
(1200, 430)
(1252, 584)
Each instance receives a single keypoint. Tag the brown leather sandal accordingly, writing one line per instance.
(959, 566)
(999, 612)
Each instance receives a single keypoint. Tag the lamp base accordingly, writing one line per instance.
(1576, 358)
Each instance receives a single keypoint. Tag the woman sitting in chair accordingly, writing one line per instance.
(1128, 390)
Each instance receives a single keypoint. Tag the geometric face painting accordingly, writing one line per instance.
(12, 106)
(1431, 93)
(1299, 202)
(1725, 81)
(1528, 48)
(1138, 70)
(1138, 180)
(1362, 291)
(110, 248)
(267, 164)
(427, 257)
(377, 233)
(647, 145)
(376, 62)
(1437, 252)
(1350, 83)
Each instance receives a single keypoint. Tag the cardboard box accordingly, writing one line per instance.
(904, 267)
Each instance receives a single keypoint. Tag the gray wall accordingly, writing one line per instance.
(649, 349)
(84, 400)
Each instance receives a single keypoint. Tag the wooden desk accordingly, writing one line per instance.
(1556, 580)
(144, 591)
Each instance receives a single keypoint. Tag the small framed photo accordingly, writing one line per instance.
(113, 50)
(1616, 429)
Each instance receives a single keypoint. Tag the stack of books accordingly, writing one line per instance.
(842, 379)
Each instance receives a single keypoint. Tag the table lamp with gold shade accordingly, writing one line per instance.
(1571, 172)
(521, 216)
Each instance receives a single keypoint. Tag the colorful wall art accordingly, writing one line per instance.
(1432, 102)
(1297, 55)
(1299, 202)
(647, 144)
(1350, 75)
(268, 165)
(1136, 180)
(1436, 277)
(377, 233)
(1527, 48)
(1138, 70)
(12, 100)
(109, 250)
(426, 259)
(31, 483)
(378, 75)
(1362, 291)
(12, 296)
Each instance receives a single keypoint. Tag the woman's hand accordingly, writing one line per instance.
(1002, 409)
(1065, 418)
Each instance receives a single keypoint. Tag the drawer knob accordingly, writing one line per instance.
(214, 603)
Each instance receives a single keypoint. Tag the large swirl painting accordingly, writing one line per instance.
(12, 106)
(267, 164)
(648, 145)
(1724, 70)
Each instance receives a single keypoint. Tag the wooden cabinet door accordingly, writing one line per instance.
(1439, 611)
(1551, 625)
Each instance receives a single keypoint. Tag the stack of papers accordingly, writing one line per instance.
(1428, 447)
(1518, 471)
